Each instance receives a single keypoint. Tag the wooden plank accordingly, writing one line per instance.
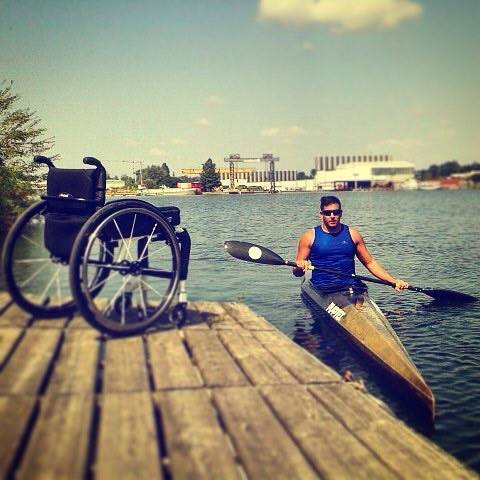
(197, 318)
(404, 451)
(14, 316)
(125, 368)
(27, 367)
(75, 369)
(8, 339)
(170, 364)
(15, 413)
(331, 447)
(49, 322)
(78, 322)
(58, 446)
(195, 442)
(264, 447)
(214, 362)
(5, 301)
(127, 444)
(246, 317)
(260, 366)
(216, 316)
(300, 363)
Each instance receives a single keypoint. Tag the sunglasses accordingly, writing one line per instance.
(336, 212)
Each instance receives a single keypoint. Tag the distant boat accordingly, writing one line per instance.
(410, 184)
(430, 185)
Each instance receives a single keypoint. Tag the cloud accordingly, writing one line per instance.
(270, 132)
(341, 15)
(203, 122)
(156, 151)
(178, 141)
(130, 142)
(286, 133)
(214, 100)
(307, 45)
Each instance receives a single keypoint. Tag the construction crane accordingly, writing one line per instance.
(268, 158)
(133, 162)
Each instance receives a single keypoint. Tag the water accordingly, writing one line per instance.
(428, 238)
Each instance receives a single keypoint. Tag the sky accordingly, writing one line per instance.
(187, 80)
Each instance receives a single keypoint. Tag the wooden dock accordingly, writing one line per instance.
(226, 397)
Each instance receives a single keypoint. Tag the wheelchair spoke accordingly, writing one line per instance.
(131, 231)
(142, 300)
(124, 243)
(157, 252)
(59, 290)
(33, 242)
(34, 275)
(150, 287)
(46, 289)
(121, 289)
(33, 260)
(148, 243)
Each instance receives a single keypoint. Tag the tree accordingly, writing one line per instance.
(155, 176)
(21, 136)
(129, 181)
(209, 177)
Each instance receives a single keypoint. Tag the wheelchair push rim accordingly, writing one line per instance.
(134, 287)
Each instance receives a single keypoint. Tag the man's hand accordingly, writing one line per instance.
(400, 284)
(302, 265)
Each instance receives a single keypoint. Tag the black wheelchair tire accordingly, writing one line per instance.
(80, 292)
(14, 289)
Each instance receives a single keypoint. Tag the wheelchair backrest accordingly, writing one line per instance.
(75, 190)
(73, 195)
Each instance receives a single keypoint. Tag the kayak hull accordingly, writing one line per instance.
(359, 318)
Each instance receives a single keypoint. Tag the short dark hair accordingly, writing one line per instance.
(328, 200)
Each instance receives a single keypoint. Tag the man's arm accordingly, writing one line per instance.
(371, 264)
(303, 252)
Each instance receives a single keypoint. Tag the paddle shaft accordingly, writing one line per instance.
(352, 275)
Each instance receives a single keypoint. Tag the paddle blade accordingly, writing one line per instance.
(250, 252)
(448, 296)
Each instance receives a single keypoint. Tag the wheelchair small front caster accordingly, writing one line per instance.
(178, 314)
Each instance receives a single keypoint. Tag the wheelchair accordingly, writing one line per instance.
(122, 264)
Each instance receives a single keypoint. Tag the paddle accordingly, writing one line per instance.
(258, 254)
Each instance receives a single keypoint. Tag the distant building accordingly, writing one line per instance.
(346, 172)
(246, 175)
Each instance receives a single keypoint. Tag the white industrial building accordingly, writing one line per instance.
(346, 172)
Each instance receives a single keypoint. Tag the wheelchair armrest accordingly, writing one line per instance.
(44, 160)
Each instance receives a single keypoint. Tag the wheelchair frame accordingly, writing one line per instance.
(126, 261)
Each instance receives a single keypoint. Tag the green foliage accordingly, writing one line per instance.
(16, 195)
(156, 176)
(209, 177)
(21, 136)
(446, 169)
(129, 182)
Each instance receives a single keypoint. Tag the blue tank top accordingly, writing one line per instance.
(335, 251)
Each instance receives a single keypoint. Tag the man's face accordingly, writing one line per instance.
(331, 215)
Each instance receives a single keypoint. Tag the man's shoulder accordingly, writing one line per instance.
(354, 233)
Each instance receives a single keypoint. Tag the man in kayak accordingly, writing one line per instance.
(333, 245)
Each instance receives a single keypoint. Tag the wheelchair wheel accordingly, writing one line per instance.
(36, 281)
(140, 278)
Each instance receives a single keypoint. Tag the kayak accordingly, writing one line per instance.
(361, 320)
